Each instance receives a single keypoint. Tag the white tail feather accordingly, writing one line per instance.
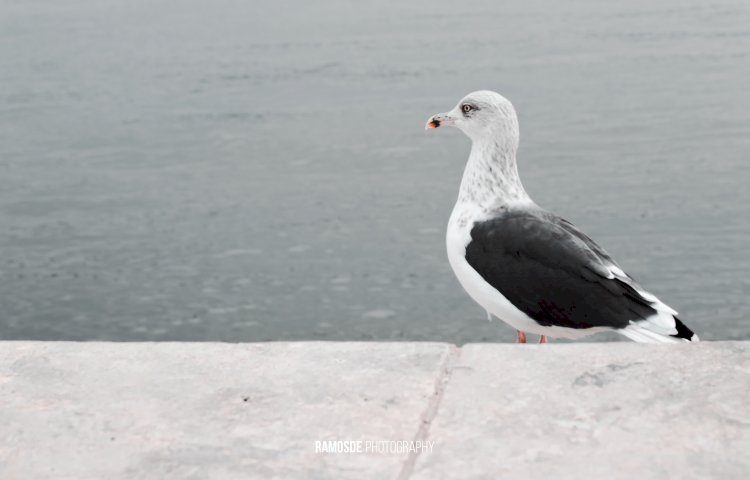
(639, 332)
(658, 328)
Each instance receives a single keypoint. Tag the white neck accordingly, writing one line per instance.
(491, 176)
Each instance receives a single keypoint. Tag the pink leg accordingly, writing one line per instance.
(521, 337)
(543, 339)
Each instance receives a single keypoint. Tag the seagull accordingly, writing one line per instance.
(526, 266)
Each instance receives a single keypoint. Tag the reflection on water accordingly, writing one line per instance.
(256, 170)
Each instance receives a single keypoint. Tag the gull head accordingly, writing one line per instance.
(482, 116)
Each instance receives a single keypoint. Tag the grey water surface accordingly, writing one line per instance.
(259, 170)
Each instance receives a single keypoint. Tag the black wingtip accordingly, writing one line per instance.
(684, 332)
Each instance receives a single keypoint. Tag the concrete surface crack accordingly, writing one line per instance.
(426, 419)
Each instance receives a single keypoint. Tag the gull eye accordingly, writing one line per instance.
(466, 108)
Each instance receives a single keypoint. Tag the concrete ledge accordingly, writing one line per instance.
(206, 410)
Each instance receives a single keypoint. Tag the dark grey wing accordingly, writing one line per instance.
(552, 272)
(573, 230)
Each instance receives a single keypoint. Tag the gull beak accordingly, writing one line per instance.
(440, 120)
